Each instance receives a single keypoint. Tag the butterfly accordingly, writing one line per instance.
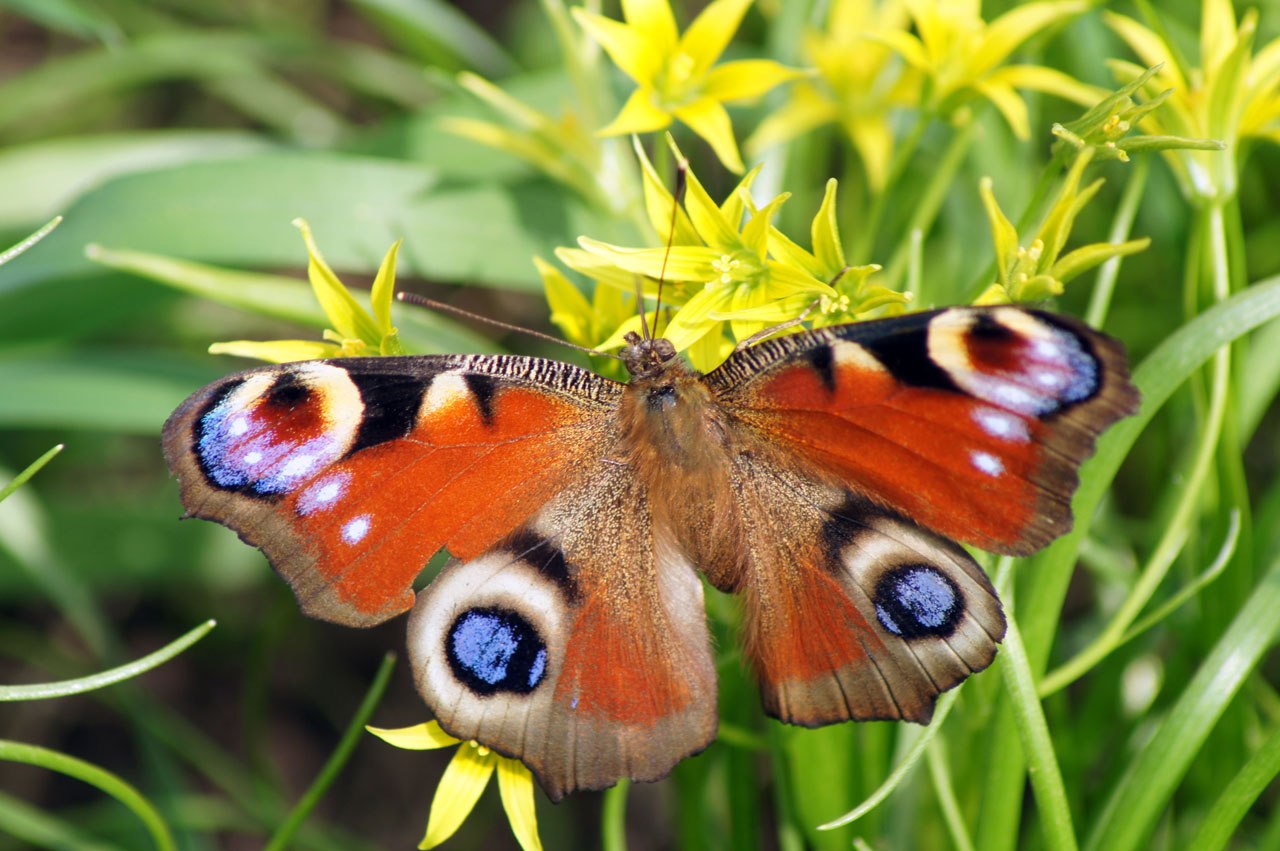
(824, 477)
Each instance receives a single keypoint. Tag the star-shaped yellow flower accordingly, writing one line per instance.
(1232, 95)
(354, 333)
(962, 56)
(718, 265)
(677, 75)
(463, 781)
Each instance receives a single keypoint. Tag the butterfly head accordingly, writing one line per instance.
(645, 357)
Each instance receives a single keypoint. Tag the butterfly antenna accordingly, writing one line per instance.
(677, 198)
(423, 301)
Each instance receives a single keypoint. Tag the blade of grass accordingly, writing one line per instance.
(62, 688)
(41, 829)
(1143, 792)
(31, 469)
(904, 766)
(284, 835)
(95, 776)
(1238, 796)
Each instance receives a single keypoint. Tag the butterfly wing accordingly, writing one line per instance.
(973, 422)
(578, 645)
(854, 612)
(351, 474)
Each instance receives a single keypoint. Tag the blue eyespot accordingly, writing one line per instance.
(493, 649)
(918, 601)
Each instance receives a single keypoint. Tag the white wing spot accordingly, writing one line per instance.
(1001, 424)
(238, 427)
(298, 465)
(987, 463)
(252, 458)
(354, 530)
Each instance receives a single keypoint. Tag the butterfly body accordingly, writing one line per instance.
(822, 477)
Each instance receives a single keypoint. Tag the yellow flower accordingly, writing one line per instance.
(718, 260)
(463, 781)
(677, 76)
(962, 56)
(560, 147)
(858, 84)
(1233, 94)
(854, 299)
(355, 332)
(1036, 271)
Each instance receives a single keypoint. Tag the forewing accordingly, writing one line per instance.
(973, 422)
(578, 645)
(351, 474)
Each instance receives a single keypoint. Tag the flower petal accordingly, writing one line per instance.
(276, 351)
(420, 737)
(1003, 233)
(710, 33)
(1149, 47)
(681, 263)
(873, 138)
(460, 787)
(1009, 103)
(516, 785)
(655, 23)
(825, 233)
(384, 286)
(905, 45)
(1011, 29)
(639, 115)
(660, 206)
(708, 119)
(747, 78)
(707, 217)
(1049, 80)
(639, 59)
(805, 110)
(349, 319)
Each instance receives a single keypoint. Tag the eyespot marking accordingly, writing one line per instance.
(918, 601)
(267, 433)
(493, 649)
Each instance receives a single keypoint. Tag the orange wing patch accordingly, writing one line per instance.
(459, 480)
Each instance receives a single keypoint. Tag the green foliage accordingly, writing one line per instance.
(1135, 703)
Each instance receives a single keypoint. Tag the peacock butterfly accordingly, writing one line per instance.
(822, 476)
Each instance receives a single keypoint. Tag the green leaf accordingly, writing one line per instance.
(131, 392)
(287, 298)
(438, 34)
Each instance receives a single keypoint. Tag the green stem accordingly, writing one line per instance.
(864, 242)
(940, 773)
(1042, 762)
(1188, 502)
(1121, 227)
(930, 202)
(284, 834)
(613, 817)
